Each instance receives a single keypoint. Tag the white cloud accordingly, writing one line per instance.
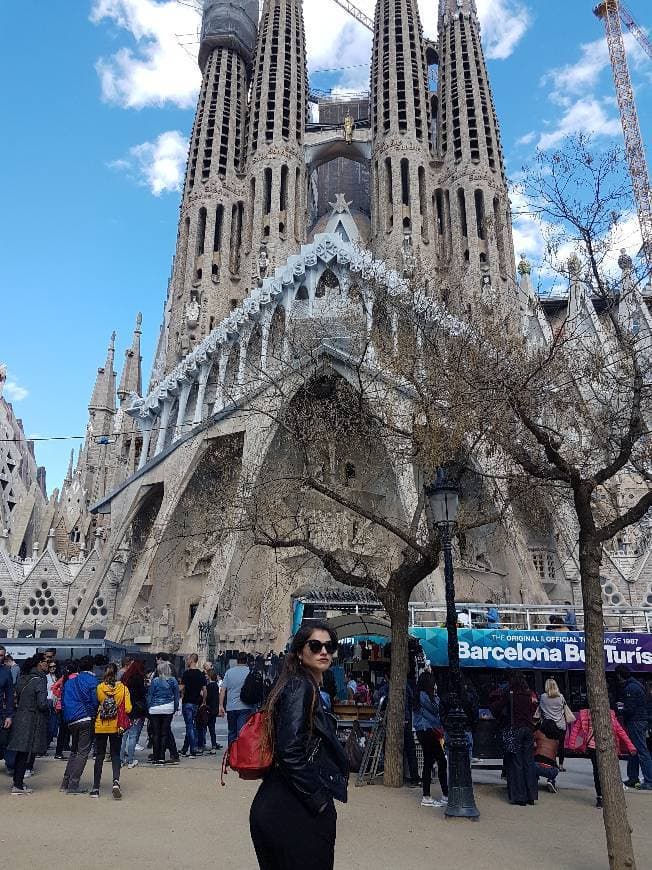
(579, 77)
(576, 79)
(158, 165)
(162, 69)
(14, 392)
(504, 23)
(574, 88)
(528, 139)
(527, 230)
(626, 235)
(586, 115)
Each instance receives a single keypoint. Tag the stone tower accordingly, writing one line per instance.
(276, 174)
(95, 459)
(128, 440)
(207, 279)
(473, 220)
(402, 215)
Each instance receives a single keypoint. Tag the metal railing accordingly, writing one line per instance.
(529, 616)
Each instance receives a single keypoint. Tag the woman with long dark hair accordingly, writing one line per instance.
(293, 819)
(134, 679)
(430, 731)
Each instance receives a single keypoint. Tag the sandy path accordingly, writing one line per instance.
(182, 818)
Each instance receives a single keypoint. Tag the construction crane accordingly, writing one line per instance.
(640, 35)
(356, 13)
(612, 12)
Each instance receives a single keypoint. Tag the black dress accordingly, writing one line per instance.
(293, 819)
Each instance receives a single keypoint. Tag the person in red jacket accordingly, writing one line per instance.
(580, 738)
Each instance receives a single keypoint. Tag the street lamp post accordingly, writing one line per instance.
(443, 498)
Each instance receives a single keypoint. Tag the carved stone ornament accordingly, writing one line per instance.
(192, 313)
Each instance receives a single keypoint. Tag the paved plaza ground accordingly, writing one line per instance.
(180, 817)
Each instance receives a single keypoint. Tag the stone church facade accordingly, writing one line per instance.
(146, 545)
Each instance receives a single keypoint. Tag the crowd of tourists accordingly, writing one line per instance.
(96, 706)
(537, 732)
(93, 706)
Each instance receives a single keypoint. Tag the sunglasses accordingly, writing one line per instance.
(316, 646)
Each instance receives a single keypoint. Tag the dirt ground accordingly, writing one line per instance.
(182, 818)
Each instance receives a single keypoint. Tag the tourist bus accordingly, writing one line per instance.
(487, 656)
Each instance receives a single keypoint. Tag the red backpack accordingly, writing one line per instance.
(250, 754)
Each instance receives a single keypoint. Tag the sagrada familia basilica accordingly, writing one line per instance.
(285, 217)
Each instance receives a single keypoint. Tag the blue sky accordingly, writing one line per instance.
(97, 105)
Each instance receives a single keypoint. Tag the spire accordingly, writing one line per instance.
(131, 380)
(206, 274)
(68, 478)
(475, 209)
(402, 214)
(277, 126)
(103, 398)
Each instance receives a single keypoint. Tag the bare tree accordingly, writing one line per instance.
(567, 404)
(342, 446)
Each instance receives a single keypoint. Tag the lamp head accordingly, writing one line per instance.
(443, 496)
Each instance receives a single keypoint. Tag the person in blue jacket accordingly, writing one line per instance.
(163, 703)
(430, 732)
(635, 719)
(79, 708)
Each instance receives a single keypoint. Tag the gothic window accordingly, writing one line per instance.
(267, 203)
(252, 212)
(217, 234)
(405, 181)
(237, 216)
(326, 283)
(201, 232)
(298, 207)
(479, 214)
(283, 200)
(389, 194)
(4, 607)
(461, 204)
(423, 204)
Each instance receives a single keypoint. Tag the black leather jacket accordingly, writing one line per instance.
(313, 761)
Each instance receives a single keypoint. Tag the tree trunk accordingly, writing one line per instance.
(396, 604)
(616, 823)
